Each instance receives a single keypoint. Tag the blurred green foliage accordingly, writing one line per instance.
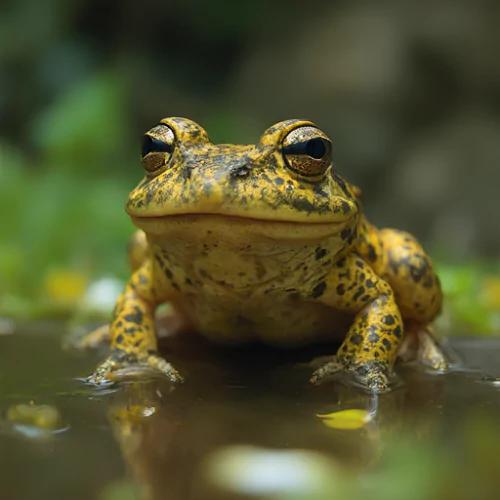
(66, 210)
(62, 209)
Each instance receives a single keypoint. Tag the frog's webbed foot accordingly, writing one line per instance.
(371, 376)
(420, 345)
(121, 362)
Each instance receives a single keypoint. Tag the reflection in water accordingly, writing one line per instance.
(174, 439)
(245, 425)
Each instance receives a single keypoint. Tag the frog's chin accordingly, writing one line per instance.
(234, 227)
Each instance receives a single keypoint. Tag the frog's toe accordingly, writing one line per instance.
(326, 370)
(371, 376)
(121, 364)
(105, 371)
(368, 376)
(157, 362)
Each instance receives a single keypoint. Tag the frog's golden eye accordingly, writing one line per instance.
(157, 147)
(307, 151)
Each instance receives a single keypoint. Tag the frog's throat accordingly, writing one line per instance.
(233, 225)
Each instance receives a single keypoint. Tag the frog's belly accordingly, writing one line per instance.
(277, 323)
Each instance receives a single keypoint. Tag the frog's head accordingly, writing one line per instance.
(288, 176)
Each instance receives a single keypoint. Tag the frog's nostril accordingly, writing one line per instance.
(240, 171)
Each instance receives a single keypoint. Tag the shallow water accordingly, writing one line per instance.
(437, 436)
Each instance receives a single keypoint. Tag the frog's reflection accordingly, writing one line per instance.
(166, 433)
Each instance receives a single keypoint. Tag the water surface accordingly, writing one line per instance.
(244, 425)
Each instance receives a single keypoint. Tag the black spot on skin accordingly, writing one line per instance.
(176, 286)
(149, 196)
(138, 342)
(389, 319)
(359, 292)
(365, 298)
(418, 272)
(387, 343)
(188, 281)
(303, 205)
(345, 233)
(119, 338)
(134, 317)
(372, 255)
(340, 289)
(341, 183)
(397, 332)
(279, 181)
(239, 171)
(131, 330)
(318, 290)
(359, 264)
(428, 283)
(369, 283)
(320, 253)
(187, 171)
(119, 324)
(356, 339)
(168, 272)
(318, 189)
(346, 208)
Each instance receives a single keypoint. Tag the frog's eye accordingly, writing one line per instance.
(157, 147)
(307, 151)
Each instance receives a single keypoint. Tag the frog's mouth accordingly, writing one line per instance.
(198, 225)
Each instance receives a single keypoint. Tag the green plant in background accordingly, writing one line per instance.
(62, 214)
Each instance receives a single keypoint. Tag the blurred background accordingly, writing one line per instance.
(409, 94)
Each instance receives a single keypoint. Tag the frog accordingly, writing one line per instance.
(268, 243)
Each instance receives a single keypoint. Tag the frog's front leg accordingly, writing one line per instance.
(370, 348)
(133, 340)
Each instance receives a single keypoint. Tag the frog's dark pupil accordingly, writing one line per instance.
(315, 148)
(152, 145)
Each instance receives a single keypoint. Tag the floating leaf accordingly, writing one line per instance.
(347, 419)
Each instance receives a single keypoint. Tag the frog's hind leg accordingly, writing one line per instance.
(419, 344)
(400, 259)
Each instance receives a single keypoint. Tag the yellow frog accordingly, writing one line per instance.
(267, 242)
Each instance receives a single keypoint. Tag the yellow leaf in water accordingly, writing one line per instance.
(347, 419)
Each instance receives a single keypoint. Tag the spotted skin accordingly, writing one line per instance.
(265, 242)
(133, 336)
(372, 342)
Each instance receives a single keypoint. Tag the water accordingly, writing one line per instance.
(244, 425)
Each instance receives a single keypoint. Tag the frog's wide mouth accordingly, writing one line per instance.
(213, 222)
